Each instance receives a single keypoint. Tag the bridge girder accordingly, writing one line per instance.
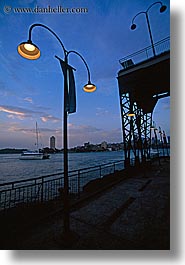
(140, 87)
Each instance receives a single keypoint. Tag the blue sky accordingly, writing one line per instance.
(32, 91)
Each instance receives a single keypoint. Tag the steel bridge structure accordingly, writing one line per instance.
(143, 80)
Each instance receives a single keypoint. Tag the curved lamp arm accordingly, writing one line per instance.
(153, 5)
(30, 51)
(89, 87)
(162, 9)
(77, 53)
(142, 12)
(43, 26)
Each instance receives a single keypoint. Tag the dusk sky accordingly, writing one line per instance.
(32, 91)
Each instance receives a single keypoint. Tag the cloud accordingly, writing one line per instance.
(31, 130)
(30, 100)
(14, 110)
(22, 113)
(101, 112)
(11, 116)
(81, 129)
(78, 134)
(50, 118)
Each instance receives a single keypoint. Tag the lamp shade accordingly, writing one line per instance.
(89, 87)
(163, 8)
(133, 26)
(29, 50)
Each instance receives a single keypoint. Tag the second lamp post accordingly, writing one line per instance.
(30, 51)
(133, 26)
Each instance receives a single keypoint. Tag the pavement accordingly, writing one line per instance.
(134, 214)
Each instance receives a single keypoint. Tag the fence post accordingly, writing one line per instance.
(146, 53)
(78, 183)
(35, 194)
(42, 190)
(114, 164)
(100, 171)
(40, 185)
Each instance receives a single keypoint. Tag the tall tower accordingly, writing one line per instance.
(52, 142)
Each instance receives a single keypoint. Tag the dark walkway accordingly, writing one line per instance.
(134, 214)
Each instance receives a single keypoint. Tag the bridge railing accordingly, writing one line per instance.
(146, 53)
(50, 187)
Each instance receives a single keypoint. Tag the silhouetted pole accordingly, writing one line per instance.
(65, 144)
(153, 127)
(133, 26)
(156, 141)
(161, 139)
(150, 33)
(165, 142)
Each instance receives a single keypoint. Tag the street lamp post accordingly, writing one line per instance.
(30, 51)
(153, 127)
(161, 140)
(133, 26)
(165, 142)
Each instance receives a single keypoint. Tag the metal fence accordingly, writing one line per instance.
(50, 187)
(146, 53)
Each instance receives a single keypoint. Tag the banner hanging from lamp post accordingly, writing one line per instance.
(71, 99)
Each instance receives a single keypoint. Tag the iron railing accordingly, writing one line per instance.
(146, 53)
(49, 187)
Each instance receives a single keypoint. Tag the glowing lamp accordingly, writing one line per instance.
(29, 50)
(89, 87)
(131, 114)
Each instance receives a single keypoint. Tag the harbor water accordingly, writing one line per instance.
(12, 169)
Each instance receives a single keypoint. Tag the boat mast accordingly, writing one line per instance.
(37, 137)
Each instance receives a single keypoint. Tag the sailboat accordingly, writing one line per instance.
(34, 155)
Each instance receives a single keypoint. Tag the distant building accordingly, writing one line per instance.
(86, 145)
(104, 145)
(52, 142)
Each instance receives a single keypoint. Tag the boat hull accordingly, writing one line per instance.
(31, 157)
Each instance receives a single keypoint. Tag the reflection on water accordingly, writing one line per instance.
(11, 168)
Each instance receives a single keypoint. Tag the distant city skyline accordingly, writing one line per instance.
(32, 91)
